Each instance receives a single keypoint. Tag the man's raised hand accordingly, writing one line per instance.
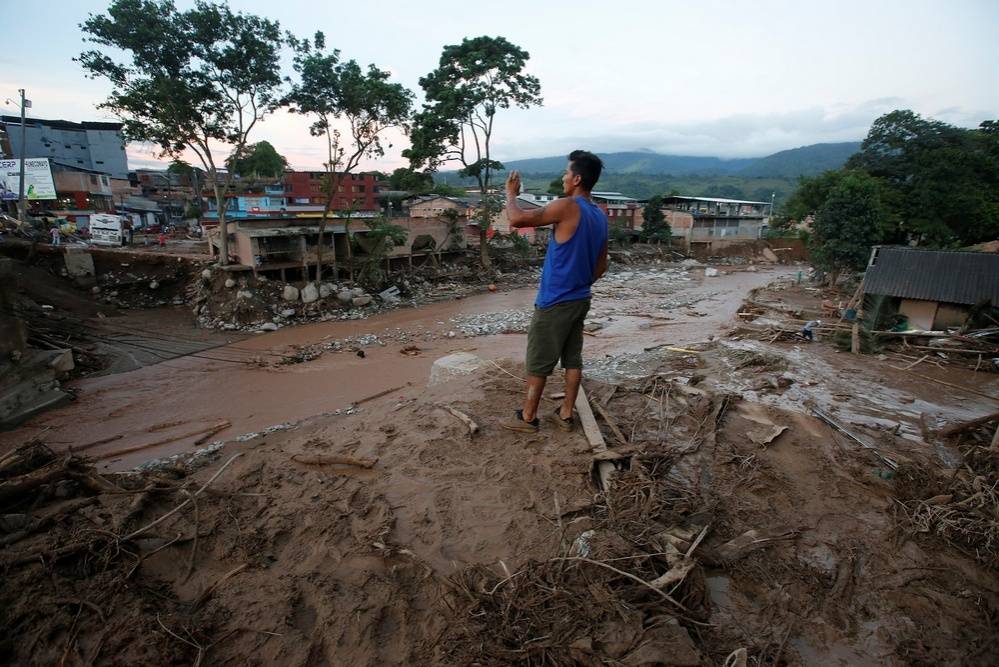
(513, 184)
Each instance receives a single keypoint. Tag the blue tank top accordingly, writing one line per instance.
(568, 270)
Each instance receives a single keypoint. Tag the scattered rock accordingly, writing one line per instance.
(453, 365)
(710, 272)
(288, 312)
(325, 290)
(244, 294)
(310, 293)
(362, 300)
(206, 275)
(268, 326)
(230, 283)
(345, 297)
(153, 284)
(290, 293)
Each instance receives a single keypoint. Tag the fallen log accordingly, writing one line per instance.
(208, 432)
(473, 428)
(18, 486)
(45, 520)
(957, 427)
(611, 423)
(333, 459)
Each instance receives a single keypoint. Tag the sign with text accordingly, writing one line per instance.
(37, 179)
(106, 229)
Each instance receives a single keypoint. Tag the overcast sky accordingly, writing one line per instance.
(719, 78)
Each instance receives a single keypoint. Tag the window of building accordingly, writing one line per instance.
(93, 180)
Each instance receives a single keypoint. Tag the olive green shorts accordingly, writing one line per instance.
(556, 333)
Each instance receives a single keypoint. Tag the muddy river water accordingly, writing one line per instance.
(127, 418)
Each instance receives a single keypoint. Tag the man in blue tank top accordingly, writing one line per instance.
(575, 259)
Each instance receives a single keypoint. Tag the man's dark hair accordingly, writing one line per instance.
(587, 166)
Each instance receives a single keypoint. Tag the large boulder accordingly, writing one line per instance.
(290, 293)
(453, 365)
(362, 300)
(310, 293)
(345, 297)
(325, 290)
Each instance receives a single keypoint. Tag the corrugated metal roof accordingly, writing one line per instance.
(949, 276)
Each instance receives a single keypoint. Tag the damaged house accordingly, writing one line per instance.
(933, 289)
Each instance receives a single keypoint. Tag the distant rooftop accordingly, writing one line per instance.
(62, 124)
(717, 200)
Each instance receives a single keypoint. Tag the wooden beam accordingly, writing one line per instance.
(589, 423)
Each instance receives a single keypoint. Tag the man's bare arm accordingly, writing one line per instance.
(601, 267)
(551, 214)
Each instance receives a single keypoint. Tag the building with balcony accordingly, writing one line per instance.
(713, 218)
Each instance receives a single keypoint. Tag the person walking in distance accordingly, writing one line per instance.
(575, 259)
(55, 235)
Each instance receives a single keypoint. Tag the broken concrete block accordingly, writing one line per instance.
(230, 283)
(390, 294)
(310, 293)
(453, 365)
(362, 300)
(769, 255)
(290, 293)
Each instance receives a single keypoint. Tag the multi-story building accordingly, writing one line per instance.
(714, 218)
(93, 146)
(620, 210)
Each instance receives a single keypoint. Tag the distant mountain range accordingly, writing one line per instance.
(803, 161)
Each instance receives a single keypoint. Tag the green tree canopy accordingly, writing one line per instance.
(414, 182)
(655, 229)
(259, 160)
(943, 180)
(851, 219)
(185, 80)
(556, 187)
(472, 82)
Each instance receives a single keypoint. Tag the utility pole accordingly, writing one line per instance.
(21, 214)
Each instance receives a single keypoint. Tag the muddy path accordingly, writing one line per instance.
(122, 417)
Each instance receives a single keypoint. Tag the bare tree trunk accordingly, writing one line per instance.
(484, 258)
(220, 204)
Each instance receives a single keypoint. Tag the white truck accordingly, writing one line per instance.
(107, 229)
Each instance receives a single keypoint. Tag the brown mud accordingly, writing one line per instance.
(245, 384)
(738, 528)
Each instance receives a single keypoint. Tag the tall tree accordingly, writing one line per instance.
(942, 179)
(472, 82)
(851, 219)
(187, 80)
(337, 94)
(413, 182)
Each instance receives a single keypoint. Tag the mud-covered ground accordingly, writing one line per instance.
(727, 523)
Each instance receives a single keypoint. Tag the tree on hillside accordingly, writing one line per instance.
(655, 229)
(942, 179)
(472, 82)
(259, 160)
(556, 187)
(851, 219)
(336, 94)
(186, 80)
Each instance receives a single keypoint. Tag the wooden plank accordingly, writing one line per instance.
(589, 423)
